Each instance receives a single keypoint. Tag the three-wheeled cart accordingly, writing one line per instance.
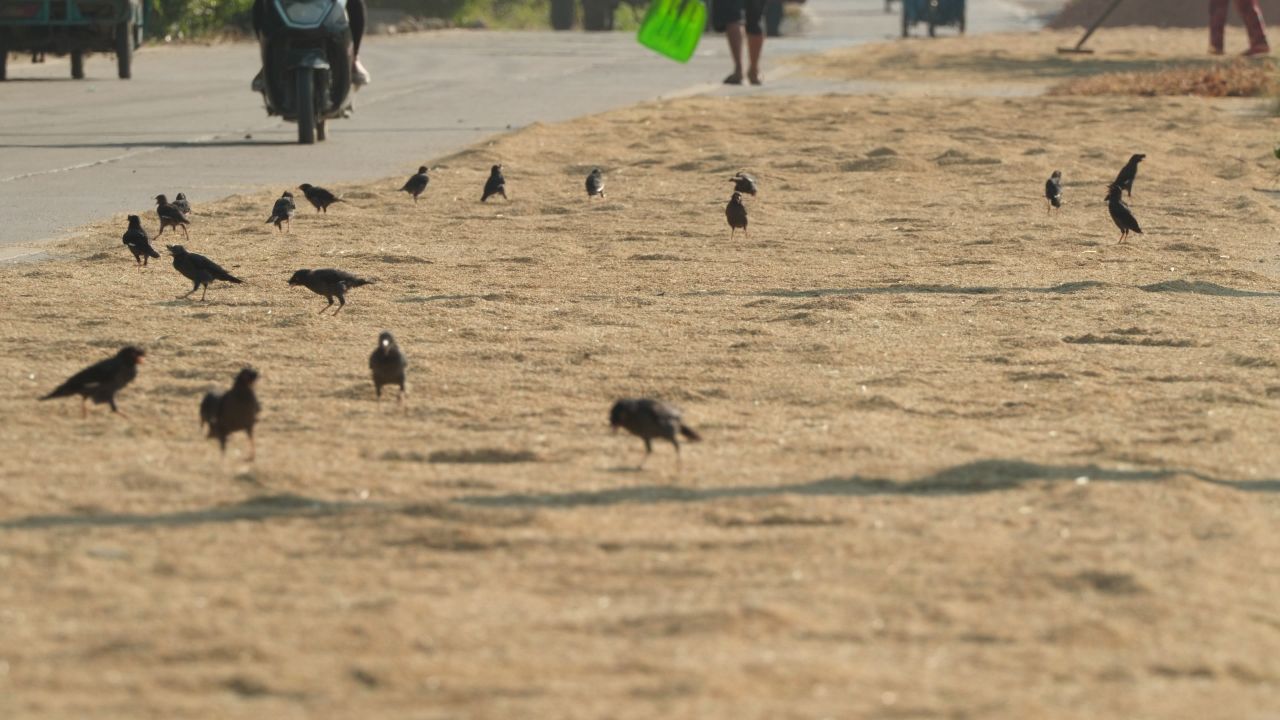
(934, 13)
(72, 27)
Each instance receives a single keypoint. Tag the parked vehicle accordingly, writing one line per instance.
(934, 13)
(306, 63)
(72, 27)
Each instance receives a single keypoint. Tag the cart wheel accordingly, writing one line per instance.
(906, 24)
(77, 64)
(961, 23)
(4, 56)
(597, 15)
(124, 50)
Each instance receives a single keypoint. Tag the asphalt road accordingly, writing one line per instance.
(75, 151)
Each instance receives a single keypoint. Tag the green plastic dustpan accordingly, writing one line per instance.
(673, 27)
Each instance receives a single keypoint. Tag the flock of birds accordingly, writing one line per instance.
(1121, 215)
(237, 409)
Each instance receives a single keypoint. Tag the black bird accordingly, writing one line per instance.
(387, 364)
(319, 197)
(235, 410)
(135, 238)
(330, 283)
(649, 420)
(199, 269)
(1128, 173)
(744, 183)
(170, 216)
(181, 203)
(1053, 190)
(495, 185)
(417, 184)
(282, 211)
(736, 213)
(595, 183)
(101, 381)
(1120, 213)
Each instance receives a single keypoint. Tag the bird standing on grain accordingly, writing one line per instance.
(181, 203)
(495, 185)
(282, 211)
(417, 184)
(1053, 191)
(170, 216)
(1120, 213)
(320, 198)
(649, 420)
(1128, 173)
(387, 364)
(200, 270)
(736, 213)
(330, 283)
(135, 238)
(744, 183)
(235, 410)
(595, 184)
(101, 381)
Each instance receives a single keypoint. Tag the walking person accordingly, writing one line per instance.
(1250, 13)
(736, 18)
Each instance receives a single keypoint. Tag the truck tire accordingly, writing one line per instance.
(306, 105)
(124, 50)
(77, 64)
(562, 12)
(4, 55)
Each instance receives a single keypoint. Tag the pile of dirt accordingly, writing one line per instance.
(1157, 13)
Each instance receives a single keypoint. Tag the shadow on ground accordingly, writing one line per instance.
(971, 478)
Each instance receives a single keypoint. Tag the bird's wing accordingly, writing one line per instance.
(88, 379)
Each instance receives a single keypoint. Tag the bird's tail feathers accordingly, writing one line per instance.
(358, 282)
(689, 433)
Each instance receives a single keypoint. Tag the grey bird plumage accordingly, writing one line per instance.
(282, 211)
(330, 283)
(200, 270)
(651, 420)
(181, 203)
(1053, 190)
(744, 183)
(135, 238)
(417, 184)
(595, 183)
(387, 365)
(170, 216)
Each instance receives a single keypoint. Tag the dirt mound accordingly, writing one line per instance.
(1157, 13)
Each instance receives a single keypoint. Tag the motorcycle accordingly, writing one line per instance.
(306, 63)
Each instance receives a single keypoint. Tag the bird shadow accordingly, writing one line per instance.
(972, 478)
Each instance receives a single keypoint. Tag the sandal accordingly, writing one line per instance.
(733, 79)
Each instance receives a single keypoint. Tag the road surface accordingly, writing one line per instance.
(76, 151)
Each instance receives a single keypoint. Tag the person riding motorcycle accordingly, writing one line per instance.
(355, 15)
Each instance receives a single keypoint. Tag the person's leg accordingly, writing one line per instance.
(755, 38)
(1217, 24)
(1251, 14)
(356, 15)
(733, 31)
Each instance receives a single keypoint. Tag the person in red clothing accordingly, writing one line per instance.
(1252, 16)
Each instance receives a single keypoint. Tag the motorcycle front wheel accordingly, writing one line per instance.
(306, 106)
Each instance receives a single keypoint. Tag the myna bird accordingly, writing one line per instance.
(282, 211)
(235, 410)
(736, 213)
(1128, 173)
(744, 183)
(417, 184)
(387, 364)
(1120, 213)
(319, 197)
(1053, 191)
(181, 203)
(330, 283)
(170, 216)
(650, 420)
(101, 381)
(595, 183)
(135, 238)
(495, 185)
(200, 270)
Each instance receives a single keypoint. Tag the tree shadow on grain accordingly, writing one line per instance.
(265, 507)
(971, 478)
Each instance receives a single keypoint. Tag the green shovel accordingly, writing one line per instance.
(673, 27)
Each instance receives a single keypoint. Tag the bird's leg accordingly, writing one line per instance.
(253, 449)
(648, 448)
(84, 407)
(342, 302)
(205, 292)
(326, 307)
(193, 289)
(185, 234)
(159, 233)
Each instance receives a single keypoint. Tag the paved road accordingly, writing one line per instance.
(75, 151)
